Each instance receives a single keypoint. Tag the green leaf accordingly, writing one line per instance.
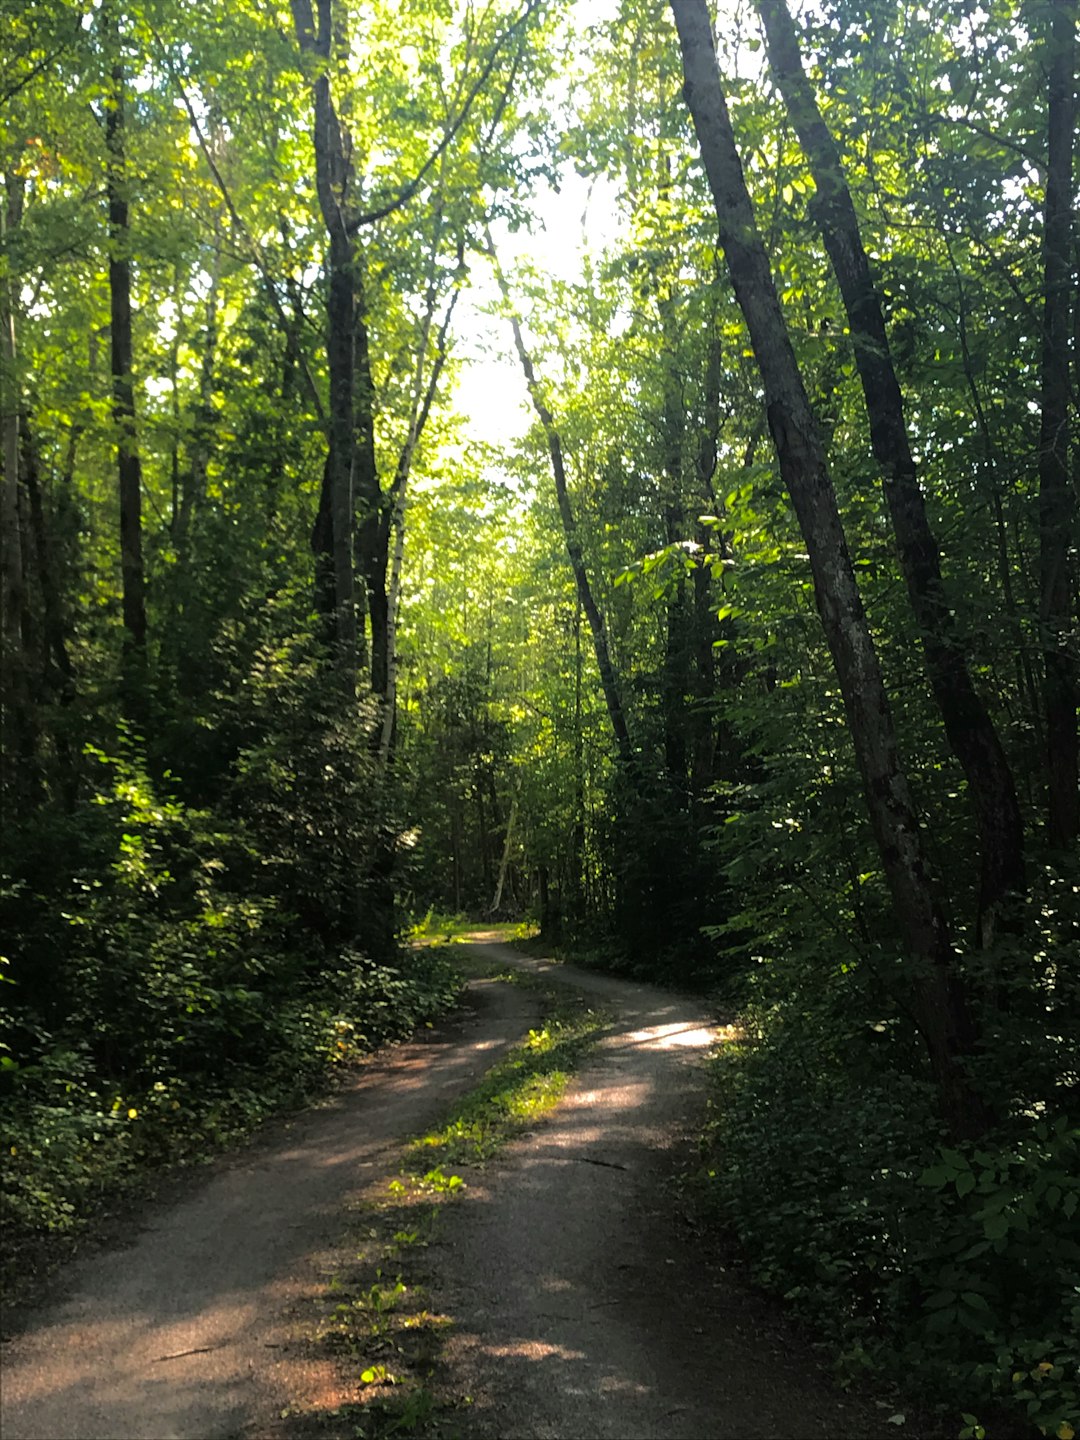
(936, 1177)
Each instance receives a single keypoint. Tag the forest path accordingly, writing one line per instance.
(188, 1332)
(583, 1304)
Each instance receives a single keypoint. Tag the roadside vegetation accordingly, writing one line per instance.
(722, 622)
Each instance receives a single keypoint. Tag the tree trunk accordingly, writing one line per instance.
(54, 650)
(968, 725)
(422, 400)
(504, 863)
(332, 538)
(17, 729)
(58, 675)
(608, 681)
(1057, 504)
(706, 629)
(939, 1002)
(372, 515)
(677, 640)
(193, 491)
(129, 465)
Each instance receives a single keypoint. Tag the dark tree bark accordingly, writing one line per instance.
(17, 729)
(129, 465)
(939, 1002)
(1057, 504)
(57, 659)
(332, 537)
(968, 725)
(706, 629)
(57, 671)
(678, 640)
(372, 506)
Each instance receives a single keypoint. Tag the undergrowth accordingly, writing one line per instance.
(71, 1141)
(953, 1269)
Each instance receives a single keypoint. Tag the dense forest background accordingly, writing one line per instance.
(751, 665)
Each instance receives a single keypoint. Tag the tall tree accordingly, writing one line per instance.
(14, 687)
(939, 1002)
(128, 459)
(586, 598)
(332, 539)
(1057, 502)
(968, 725)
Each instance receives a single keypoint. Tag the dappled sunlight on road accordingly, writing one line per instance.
(689, 1037)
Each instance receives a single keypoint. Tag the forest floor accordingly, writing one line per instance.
(564, 1289)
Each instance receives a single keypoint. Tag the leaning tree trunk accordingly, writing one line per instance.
(332, 538)
(129, 464)
(423, 398)
(939, 1001)
(968, 725)
(608, 681)
(678, 639)
(1057, 504)
(372, 509)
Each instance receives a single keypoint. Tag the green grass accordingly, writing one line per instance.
(513, 1094)
(377, 1314)
(438, 928)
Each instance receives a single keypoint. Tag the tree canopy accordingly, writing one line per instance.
(732, 633)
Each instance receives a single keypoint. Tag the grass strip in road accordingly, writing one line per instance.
(514, 1093)
(377, 1311)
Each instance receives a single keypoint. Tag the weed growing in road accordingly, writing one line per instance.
(378, 1311)
(514, 1093)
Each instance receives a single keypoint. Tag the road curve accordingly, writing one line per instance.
(188, 1332)
(584, 1304)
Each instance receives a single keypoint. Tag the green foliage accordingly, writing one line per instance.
(911, 1256)
(156, 1009)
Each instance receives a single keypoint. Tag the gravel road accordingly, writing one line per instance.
(186, 1333)
(583, 1303)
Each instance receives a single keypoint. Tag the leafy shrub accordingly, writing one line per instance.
(957, 1264)
(161, 1001)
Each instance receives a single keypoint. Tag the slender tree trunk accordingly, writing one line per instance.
(579, 904)
(372, 513)
(705, 627)
(55, 648)
(939, 1001)
(1057, 504)
(608, 680)
(422, 400)
(129, 464)
(504, 863)
(193, 491)
(332, 538)
(14, 689)
(677, 641)
(968, 725)
(58, 675)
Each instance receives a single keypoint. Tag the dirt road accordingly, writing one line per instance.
(582, 1306)
(187, 1334)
